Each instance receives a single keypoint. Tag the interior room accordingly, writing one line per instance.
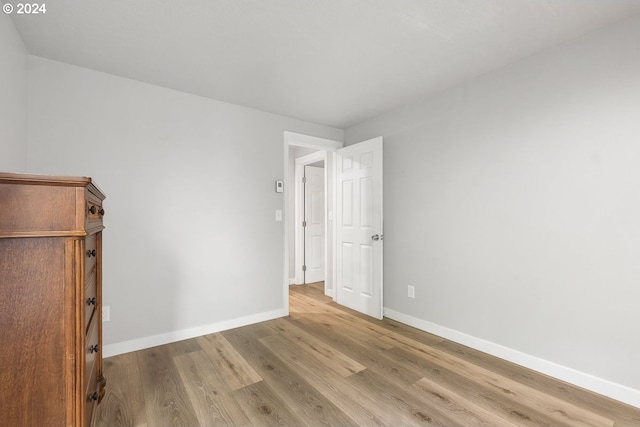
(506, 176)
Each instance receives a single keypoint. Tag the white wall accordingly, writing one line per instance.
(13, 98)
(512, 204)
(191, 243)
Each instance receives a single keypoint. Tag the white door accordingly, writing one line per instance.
(359, 227)
(314, 224)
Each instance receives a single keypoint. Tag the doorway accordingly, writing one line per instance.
(353, 243)
(310, 225)
(298, 146)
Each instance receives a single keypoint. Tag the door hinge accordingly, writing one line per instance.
(304, 268)
(304, 223)
(304, 179)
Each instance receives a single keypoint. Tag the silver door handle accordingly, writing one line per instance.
(375, 237)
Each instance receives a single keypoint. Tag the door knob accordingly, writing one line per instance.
(375, 237)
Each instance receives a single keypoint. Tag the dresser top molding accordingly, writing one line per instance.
(63, 181)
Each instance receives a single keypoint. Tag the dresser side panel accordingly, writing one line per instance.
(33, 334)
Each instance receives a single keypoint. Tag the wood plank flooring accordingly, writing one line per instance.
(325, 365)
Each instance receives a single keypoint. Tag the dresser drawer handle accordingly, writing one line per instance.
(91, 301)
(93, 349)
(101, 212)
(93, 210)
(91, 252)
(93, 397)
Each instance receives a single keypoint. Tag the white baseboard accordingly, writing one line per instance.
(169, 337)
(292, 280)
(598, 385)
(328, 292)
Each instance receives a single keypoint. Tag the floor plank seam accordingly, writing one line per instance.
(326, 365)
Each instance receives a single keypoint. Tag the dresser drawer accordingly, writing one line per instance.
(90, 301)
(90, 254)
(91, 394)
(94, 210)
(92, 350)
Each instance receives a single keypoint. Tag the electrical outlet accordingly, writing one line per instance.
(411, 291)
(106, 313)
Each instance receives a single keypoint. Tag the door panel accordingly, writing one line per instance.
(366, 203)
(366, 270)
(314, 217)
(347, 204)
(359, 255)
(347, 267)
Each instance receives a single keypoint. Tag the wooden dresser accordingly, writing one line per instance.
(50, 300)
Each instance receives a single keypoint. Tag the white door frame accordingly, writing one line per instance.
(300, 163)
(292, 139)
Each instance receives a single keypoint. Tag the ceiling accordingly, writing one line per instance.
(332, 62)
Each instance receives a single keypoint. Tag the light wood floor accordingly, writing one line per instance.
(325, 365)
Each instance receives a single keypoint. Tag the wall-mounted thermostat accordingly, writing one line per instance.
(279, 186)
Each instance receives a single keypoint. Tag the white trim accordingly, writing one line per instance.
(184, 334)
(590, 382)
(298, 256)
(334, 232)
(300, 140)
(328, 227)
(292, 280)
(311, 158)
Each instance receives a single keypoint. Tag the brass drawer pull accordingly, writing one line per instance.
(91, 253)
(93, 349)
(91, 301)
(101, 212)
(93, 397)
(93, 210)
